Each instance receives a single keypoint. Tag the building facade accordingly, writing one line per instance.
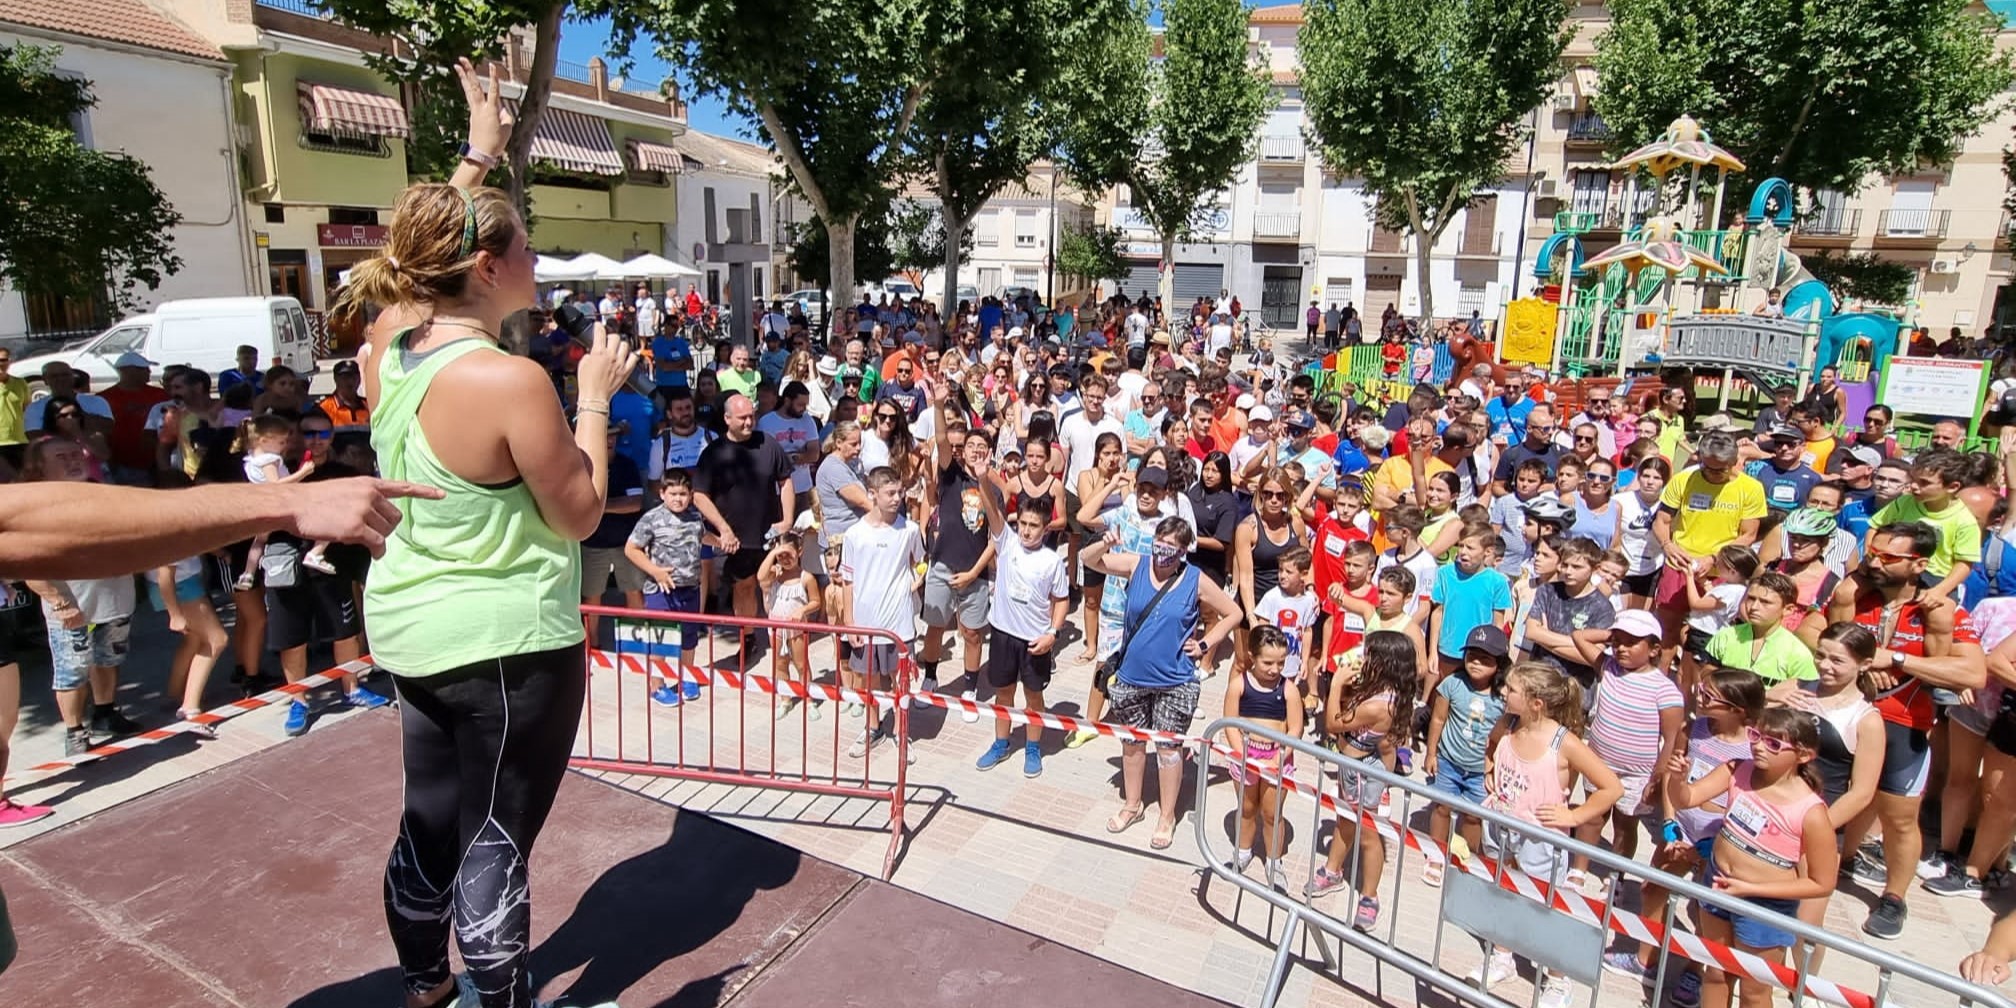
(1015, 236)
(726, 226)
(164, 98)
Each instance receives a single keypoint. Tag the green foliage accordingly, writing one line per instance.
(811, 255)
(1094, 252)
(917, 240)
(1818, 92)
(74, 222)
(1862, 276)
(1174, 131)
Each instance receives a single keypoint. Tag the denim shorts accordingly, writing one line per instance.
(1453, 780)
(1750, 931)
(73, 653)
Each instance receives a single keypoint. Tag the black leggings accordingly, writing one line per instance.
(486, 746)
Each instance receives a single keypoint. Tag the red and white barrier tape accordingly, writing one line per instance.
(1571, 902)
(214, 716)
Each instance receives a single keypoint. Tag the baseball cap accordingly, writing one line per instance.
(341, 366)
(1784, 432)
(1489, 639)
(1638, 623)
(1299, 419)
(1245, 402)
(1015, 332)
(1260, 414)
(1862, 455)
(132, 359)
(1154, 476)
(1096, 341)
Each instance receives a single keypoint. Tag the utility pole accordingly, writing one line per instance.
(1050, 257)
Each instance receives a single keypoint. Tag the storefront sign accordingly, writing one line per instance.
(350, 235)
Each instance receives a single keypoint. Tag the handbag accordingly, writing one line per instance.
(1111, 666)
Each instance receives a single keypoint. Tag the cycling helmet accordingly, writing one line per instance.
(1808, 521)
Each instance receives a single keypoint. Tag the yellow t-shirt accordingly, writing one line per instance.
(1708, 515)
(1671, 431)
(13, 411)
(1959, 531)
(1396, 474)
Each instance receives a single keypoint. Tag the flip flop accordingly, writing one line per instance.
(1125, 819)
(1164, 836)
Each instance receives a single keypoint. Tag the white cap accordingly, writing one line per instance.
(1260, 414)
(1015, 332)
(132, 359)
(1245, 402)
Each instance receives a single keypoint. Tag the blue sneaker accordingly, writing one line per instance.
(665, 696)
(691, 690)
(297, 719)
(995, 755)
(1032, 760)
(366, 700)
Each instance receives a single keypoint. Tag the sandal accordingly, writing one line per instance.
(196, 728)
(1165, 835)
(1125, 819)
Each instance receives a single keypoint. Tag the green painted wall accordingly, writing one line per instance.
(267, 85)
(612, 238)
(643, 202)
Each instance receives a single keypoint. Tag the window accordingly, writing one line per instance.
(276, 214)
(1025, 229)
(344, 143)
(1026, 277)
(50, 313)
(352, 215)
(645, 177)
(713, 230)
(987, 229)
(1337, 289)
(1469, 298)
(1592, 192)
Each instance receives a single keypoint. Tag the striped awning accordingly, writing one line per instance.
(648, 156)
(327, 108)
(573, 141)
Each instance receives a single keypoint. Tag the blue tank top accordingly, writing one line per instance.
(1156, 659)
(1590, 525)
(1264, 704)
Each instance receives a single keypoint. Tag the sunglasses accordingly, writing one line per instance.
(1273, 495)
(1589, 438)
(318, 435)
(891, 417)
(1772, 744)
(1709, 698)
(1598, 478)
(1884, 556)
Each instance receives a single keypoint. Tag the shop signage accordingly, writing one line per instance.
(350, 235)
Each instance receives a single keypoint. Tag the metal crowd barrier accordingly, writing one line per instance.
(732, 732)
(1537, 919)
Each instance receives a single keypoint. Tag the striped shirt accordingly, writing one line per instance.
(1624, 730)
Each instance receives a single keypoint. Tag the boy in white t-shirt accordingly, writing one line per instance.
(1290, 606)
(1032, 600)
(879, 560)
(1403, 528)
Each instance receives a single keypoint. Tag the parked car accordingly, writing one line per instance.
(203, 333)
(810, 301)
(966, 292)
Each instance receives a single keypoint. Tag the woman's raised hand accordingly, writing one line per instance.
(489, 120)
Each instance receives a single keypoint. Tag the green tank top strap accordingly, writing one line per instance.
(403, 380)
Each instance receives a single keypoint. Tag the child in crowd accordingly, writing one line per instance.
(1776, 846)
(1290, 607)
(879, 561)
(1635, 724)
(1806, 533)
(1726, 702)
(1853, 742)
(665, 545)
(1508, 513)
(178, 590)
(1396, 589)
(1536, 767)
(1466, 595)
(1936, 478)
(266, 441)
(1569, 620)
(1714, 600)
(1350, 602)
(1611, 571)
(1541, 567)
(1403, 528)
(1264, 696)
(1466, 708)
(1761, 643)
(1031, 600)
(1366, 715)
(791, 595)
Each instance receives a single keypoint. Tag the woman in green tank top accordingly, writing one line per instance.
(474, 606)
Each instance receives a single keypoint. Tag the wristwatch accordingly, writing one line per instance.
(477, 157)
(1896, 661)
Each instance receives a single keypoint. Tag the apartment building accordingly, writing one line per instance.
(1015, 236)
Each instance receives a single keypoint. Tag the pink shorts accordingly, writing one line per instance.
(1266, 754)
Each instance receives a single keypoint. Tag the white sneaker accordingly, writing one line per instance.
(1495, 970)
(1556, 991)
(1933, 865)
(966, 715)
(859, 747)
(1241, 859)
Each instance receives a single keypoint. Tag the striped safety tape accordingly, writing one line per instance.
(214, 716)
(1575, 904)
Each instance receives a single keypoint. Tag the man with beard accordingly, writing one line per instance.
(679, 447)
(1923, 643)
(1536, 441)
(960, 551)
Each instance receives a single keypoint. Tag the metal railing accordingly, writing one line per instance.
(1588, 127)
(1281, 147)
(1277, 224)
(1549, 924)
(1913, 223)
(1830, 222)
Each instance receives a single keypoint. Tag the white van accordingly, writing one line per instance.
(203, 333)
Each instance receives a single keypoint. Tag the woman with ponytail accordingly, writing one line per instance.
(473, 607)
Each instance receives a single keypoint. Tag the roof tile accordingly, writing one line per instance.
(131, 22)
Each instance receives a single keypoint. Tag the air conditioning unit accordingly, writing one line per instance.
(1945, 266)
(1564, 103)
(1547, 189)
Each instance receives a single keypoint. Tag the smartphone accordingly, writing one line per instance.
(581, 329)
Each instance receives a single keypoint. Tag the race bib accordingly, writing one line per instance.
(1784, 493)
(1749, 818)
(1354, 622)
(1333, 546)
(1700, 502)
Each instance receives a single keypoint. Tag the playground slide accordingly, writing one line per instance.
(1856, 336)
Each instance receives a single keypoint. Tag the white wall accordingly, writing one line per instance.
(170, 114)
(731, 192)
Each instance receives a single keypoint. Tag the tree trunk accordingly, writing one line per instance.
(955, 232)
(840, 261)
(801, 173)
(1165, 285)
(532, 105)
(1424, 282)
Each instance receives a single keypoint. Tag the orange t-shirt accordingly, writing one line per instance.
(341, 416)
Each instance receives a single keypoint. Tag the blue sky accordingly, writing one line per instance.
(579, 42)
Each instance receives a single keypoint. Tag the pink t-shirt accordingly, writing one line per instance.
(1624, 728)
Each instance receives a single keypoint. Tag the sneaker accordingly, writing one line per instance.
(1937, 864)
(859, 747)
(1628, 964)
(995, 755)
(1367, 916)
(1403, 762)
(1955, 883)
(297, 719)
(1431, 874)
(15, 814)
(76, 741)
(1687, 990)
(784, 709)
(966, 715)
(1998, 878)
(1080, 737)
(1556, 991)
(1277, 876)
(665, 696)
(1869, 869)
(917, 701)
(196, 728)
(364, 699)
(817, 708)
(1242, 859)
(690, 691)
(1323, 883)
(850, 708)
(244, 583)
(1887, 920)
(1495, 970)
(1032, 760)
(319, 563)
(107, 720)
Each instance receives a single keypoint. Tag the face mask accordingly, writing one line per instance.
(1167, 553)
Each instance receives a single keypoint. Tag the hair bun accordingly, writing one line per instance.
(392, 261)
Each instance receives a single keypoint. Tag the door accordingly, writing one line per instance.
(291, 280)
(1280, 298)
(1196, 280)
(990, 281)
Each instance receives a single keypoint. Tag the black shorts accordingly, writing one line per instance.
(742, 564)
(2002, 727)
(1907, 760)
(1009, 662)
(313, 603)
(1696, 644)
(1642, 584)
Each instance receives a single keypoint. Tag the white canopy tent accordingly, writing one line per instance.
(551, 270)
(595, 266)
(657, 267)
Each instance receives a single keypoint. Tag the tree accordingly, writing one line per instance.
(432, 34)
(1862, 276)
(811, 255)
(1093, 252)
(74, 222)
(1437, 115)
(1173, 130)
(833, 87)
(1820, 93)
(917, 235)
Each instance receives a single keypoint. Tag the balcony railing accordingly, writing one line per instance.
(1575, 221)
(1281, 148)
(1278, 224)
(1830, 222)
(1387, 242)
(1588, 127)
(1913, 223)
